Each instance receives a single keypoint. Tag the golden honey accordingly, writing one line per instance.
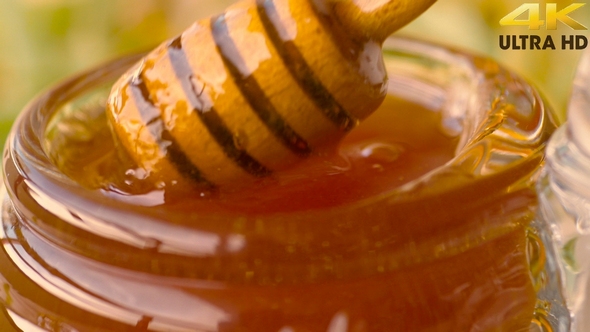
(419, 221)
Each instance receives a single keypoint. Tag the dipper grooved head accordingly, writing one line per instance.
(254, 90)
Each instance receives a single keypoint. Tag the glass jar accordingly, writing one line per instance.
(564, 194)
(455, 248)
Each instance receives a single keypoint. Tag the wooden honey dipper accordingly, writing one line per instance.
(255, 89)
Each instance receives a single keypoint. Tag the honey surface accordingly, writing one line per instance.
(399, 143)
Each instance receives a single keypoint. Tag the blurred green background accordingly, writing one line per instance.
(43, 41)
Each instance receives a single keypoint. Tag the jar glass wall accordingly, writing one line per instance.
(565, 198)
(452, 248)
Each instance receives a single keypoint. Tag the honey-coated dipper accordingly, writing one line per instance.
(254, 90)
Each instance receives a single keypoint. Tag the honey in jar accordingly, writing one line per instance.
(423, 218)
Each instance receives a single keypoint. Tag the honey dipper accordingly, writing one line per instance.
(254, 90)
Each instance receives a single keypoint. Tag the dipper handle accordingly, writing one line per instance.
(254, 90)
(374, 19)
